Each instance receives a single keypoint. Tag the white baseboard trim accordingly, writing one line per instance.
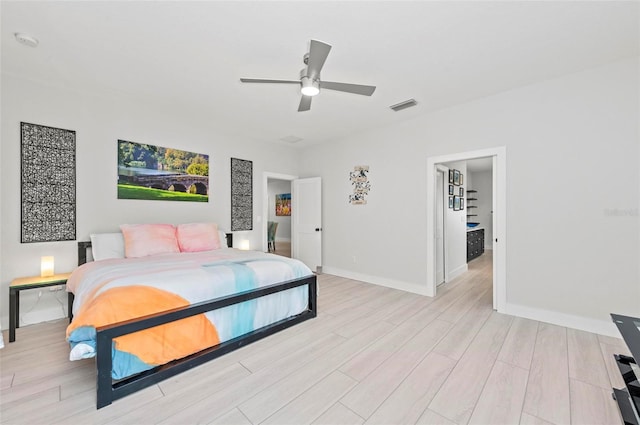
(457, 272)
(283, 239)
(602, 327)
(377, 280)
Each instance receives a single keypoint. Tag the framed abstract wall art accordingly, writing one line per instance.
(241, 195)
(360, 183)
(47, 183)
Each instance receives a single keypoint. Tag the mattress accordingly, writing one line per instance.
(115, 290)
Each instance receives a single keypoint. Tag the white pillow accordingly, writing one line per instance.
(107, 245)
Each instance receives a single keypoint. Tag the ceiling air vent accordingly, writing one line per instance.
(291, 139)
(26, 39)
(404, 105)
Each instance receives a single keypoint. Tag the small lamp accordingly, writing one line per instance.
(245, 245)
(46, 266)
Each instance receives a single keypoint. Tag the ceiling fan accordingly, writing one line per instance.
(310, 83)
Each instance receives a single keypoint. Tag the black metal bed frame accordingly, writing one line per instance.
(109, 391)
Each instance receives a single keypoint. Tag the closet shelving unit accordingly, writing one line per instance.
(475, 238)
(471, 196)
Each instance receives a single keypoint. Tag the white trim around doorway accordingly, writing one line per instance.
(445, 197)
(500, 212)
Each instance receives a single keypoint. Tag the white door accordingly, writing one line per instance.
(440, 206)
(306, 206)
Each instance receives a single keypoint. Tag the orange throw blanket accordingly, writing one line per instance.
(154, 346)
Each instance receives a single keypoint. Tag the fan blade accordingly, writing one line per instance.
(305, 104)
(259, 80)
(349, 88)
(318, 52)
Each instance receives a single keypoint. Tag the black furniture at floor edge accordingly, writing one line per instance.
(25, 283)
(475, 243)
(628, 398)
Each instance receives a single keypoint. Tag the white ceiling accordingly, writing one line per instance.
(192, 54)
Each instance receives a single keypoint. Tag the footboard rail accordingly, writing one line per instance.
(109, 391)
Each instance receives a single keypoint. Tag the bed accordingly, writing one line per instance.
(147, 318)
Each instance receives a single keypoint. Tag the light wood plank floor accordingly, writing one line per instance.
(283, 248)
(373, 356)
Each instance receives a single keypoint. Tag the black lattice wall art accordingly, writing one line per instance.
(241, 194)
(48, 183)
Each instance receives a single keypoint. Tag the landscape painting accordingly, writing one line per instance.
(156, 173)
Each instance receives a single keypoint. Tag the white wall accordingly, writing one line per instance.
(572, 186)
(277, 187)
(483, 183)
(572, 193)
(99, 122)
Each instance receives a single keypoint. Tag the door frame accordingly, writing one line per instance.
(440, 168)
(499, 155)
(266, 175)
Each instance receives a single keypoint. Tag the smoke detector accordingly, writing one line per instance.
(26, 39)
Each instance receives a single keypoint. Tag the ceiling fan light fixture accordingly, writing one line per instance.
(309, 87)
(310, 81)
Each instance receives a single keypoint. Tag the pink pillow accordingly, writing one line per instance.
(141, 240)
(195, 237)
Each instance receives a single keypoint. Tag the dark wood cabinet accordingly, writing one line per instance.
(475, 243)
(628, 398)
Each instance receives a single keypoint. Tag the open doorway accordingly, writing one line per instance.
(277, 217)
(455, 220)
(306, 217)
